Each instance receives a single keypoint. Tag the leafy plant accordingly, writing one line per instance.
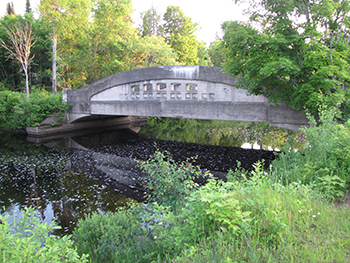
(303, 63)
(169, 183)
(18, 112)
(331, 186)
(323, 162)
(114, 237)
(30, 240)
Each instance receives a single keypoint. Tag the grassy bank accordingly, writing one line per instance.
(286, 214)
(297, 211)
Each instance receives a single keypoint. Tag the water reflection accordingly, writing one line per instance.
(68, 178)
(224, 133)
(60, 183)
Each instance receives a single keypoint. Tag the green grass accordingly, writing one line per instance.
(286, 214)
(250, 218)
(315, 231)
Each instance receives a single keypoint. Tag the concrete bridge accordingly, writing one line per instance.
(192, 92)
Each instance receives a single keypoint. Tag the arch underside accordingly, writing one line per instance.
(174, 97)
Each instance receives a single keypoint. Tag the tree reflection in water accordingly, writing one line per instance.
(70, 178)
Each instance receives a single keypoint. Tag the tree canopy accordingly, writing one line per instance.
(151, 23)
(292, 51)
(77, 42)
(179, 32)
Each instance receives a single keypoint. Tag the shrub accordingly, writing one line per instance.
(18, 112)
(249, 218)
(323, 162)
(169, 183)
(29, 240)
(115, 237)
(238, 211)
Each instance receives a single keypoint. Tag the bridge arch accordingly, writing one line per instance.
(193, 92)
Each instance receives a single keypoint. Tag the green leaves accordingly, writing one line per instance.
(30, 240)
(323, 162)
(168, 183)
(18, 112)
(305, 64)
(221, 206)
(179, 32)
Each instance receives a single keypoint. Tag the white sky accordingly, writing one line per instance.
(208, 14)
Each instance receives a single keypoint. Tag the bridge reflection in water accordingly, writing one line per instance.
(101, 173)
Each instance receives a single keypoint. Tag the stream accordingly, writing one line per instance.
(66, 179)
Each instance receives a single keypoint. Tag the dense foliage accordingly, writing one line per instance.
(19, 112)
(293, 51)
(255, 216)
(28, 239)
(81, 41)
(323, 162)
(12, 77)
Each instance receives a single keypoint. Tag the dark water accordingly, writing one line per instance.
(67, 179)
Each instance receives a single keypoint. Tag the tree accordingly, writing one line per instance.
(10, 10)
(151, 23)
(28, 8)
(148, 51)
(22, 40)
(179, 32)
(217, 53)
(203, 55)
(42, 61)
(50, 10)
(39, 71)
(103, 48)
(66, 19)
(298, 54)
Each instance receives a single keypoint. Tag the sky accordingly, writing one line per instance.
(208, 14)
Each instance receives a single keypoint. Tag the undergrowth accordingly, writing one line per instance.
(28, 239)
(257, 216)
(286, 214)
(18, 112)
(323, 163)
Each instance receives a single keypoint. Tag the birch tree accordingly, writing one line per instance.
(21, 39)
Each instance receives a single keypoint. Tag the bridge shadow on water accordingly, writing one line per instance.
(68, 178)
(115, 155)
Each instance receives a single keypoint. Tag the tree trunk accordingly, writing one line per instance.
(27, 83)
(54, 51)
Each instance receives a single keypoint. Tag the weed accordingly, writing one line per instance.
(30, 240)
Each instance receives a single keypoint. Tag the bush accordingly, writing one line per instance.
(250, 218)
(115, 237)
(18, 112)
(169, 183)
(238, 209)
(29, 240)
(323, 162)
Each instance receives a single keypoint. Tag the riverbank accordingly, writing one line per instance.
(13, 131)
(283, 214)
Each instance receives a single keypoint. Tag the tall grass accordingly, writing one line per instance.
(323, 163)
(286, 214)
